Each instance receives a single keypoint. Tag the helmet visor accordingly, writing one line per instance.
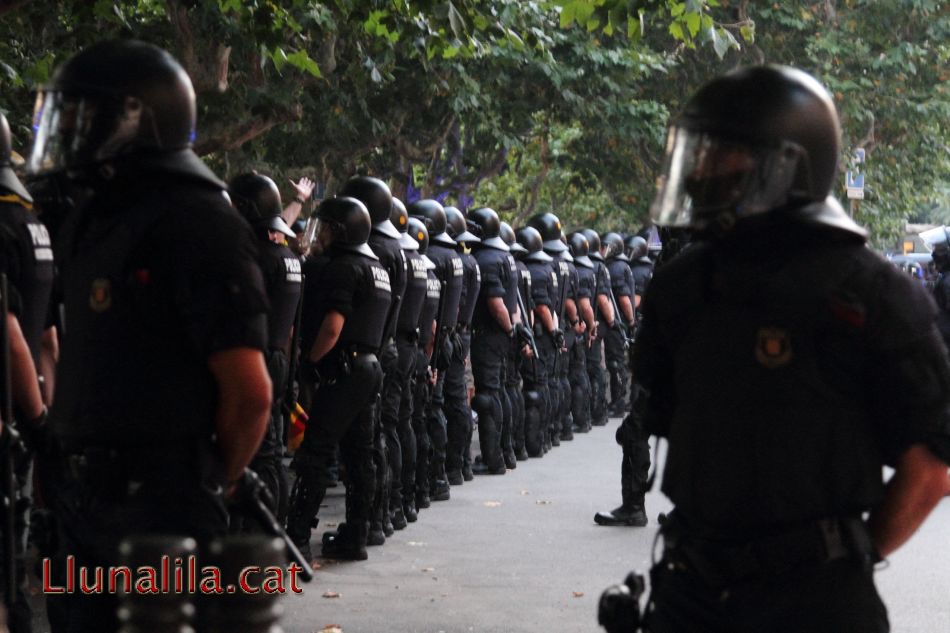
(708, 179)
(72, 130)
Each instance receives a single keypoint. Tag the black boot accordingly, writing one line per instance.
(398, 519)
(633, 515)
(440, 490)
(409, 509)
(467, 473)
(376, 535)
(481, 468)
(349, 543)
(455, 477)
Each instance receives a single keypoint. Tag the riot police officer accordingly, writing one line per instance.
(407, 341)
(26, 258)
(617, 338)
(458, 413)
(384, 240)
(257, 199)
(163, 394)
(537, 397)
(513, 437)
(451, 273)
(564, 310)
(941, 289)
(632, 437)
(604, 317)
(786, 364)
(346, 302)
(586, 287)
(416, 481)
(492, 336)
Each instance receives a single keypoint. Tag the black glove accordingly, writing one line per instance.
(558, 337)
(523, 335)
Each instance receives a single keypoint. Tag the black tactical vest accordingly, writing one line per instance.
(770, 425)
(415, 294)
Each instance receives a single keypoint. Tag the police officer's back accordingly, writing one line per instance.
(786, 364)
(345, 306)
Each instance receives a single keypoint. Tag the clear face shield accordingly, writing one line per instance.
(709, 181)
(317, 235)
(72, 131)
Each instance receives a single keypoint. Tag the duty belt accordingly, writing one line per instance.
(816, 543)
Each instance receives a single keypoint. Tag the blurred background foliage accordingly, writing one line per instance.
(522, 105)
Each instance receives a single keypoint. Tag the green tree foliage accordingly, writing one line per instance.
(526, 105)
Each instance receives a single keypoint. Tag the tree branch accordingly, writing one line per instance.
(235, 136)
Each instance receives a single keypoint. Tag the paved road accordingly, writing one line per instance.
(521, 553)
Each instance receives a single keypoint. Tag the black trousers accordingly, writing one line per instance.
(617, 368)
(634, 440)
(406, 459)
(550, 358)
(458, 413)
(597, 381)
(489, 356)
(387, 451)
(342, 413)
(830, 598)
(580, 383)
(515, 443)
(416, 480)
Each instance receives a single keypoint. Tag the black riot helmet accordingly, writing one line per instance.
(257, 198)
(636, 249)
(457, 226)
(531, 240)
(938, 240)
(113, 100)
(8, 179)
(507, 234)
(377, 198)
(593, 240)
(613, 247)
(400, 219)
(580, 248)
(489, 227)
(420, 233)
(755, 140)
(348, 223)
(549, 227)
(434, 213)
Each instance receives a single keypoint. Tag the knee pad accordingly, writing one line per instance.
(533, 399)
(482, 404)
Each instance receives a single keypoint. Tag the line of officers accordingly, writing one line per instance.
(144, 336)
(396, 300)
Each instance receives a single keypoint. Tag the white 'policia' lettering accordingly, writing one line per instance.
(292, 266)
(41, 242)
(381, 279)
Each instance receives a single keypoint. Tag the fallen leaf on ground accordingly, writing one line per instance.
(330, 594)
(543, 502)
(492, 504)
(415, 543)
(314, 565)
(331, 525)
(427, 569)
(578, 594)
(331, 628)
(525, 493)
